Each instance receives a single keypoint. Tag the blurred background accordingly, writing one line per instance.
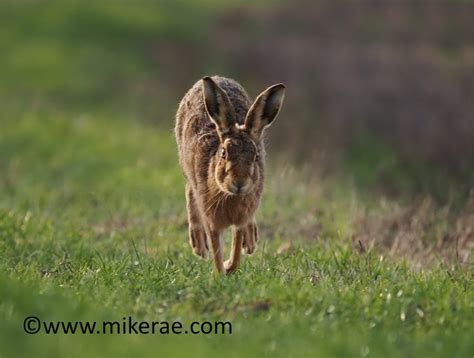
(379, 105)
(380, 92)
(372, 156)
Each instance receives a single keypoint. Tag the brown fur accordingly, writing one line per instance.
(218, 132)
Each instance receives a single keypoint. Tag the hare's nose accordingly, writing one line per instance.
(238, 186)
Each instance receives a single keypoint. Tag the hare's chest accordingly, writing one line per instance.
(236, 211)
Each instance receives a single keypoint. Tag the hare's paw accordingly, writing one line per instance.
(198, 242)
(229, 267)
(249, 243)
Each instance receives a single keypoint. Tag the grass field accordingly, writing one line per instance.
(93, 223)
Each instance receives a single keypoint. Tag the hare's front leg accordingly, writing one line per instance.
(216, 243)
(251, 237)
(238, 235)
(242, 237)
(197, 233)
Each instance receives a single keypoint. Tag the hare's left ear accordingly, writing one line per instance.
(218, 106)
(264, 110)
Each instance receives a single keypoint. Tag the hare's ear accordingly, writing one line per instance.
(264, 110)
(218, 106)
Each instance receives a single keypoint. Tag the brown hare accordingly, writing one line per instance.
(221, 152)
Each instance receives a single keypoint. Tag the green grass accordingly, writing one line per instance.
(375, 165)
(92, 226)
(93, 222)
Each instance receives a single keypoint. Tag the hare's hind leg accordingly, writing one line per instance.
(238, 235)
(251, 237)
(197, 233)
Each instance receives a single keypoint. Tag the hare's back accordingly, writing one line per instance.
(237, 95)
(192, 114)
(196, 134)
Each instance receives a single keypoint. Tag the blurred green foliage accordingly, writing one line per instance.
(93, 223)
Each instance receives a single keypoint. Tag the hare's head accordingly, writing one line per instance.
(239, 163)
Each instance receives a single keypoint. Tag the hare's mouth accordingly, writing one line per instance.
(239, 189)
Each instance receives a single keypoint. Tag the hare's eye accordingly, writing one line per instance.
(223, 153)
(257, 157)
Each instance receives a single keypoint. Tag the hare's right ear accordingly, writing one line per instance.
(218, 106)
(264, 110)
